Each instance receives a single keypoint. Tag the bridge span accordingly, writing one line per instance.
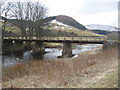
(67, 41)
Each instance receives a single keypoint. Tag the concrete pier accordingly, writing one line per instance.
(38, 48)
(67, 49)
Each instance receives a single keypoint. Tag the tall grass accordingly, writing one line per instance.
(58, 71)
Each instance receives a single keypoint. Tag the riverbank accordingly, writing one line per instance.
(88, 70)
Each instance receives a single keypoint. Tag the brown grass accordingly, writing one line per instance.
(55, 72)
(60, 69)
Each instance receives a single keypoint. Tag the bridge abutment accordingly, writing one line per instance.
(108, 44)
(105, 45)
(67, 49)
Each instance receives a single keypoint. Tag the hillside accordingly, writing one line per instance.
(69, 21)
(102, 32)
(113, 36)
(52, 28)
(60, 27)
(102, 27)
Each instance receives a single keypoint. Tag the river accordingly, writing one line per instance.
(52, 54)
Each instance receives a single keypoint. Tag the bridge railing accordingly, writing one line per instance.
(74, 38)
(78, 38)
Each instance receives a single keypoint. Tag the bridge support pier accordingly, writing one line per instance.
(105, 45)
(38, 48)
(28, 45)
(67, 49)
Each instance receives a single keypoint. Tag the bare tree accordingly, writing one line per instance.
(30, 14)
(37, 14)
(5, 12)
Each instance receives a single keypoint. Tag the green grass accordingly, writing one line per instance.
(76, 31)
(16, 30)
(52, 44)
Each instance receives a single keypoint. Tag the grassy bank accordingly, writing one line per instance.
(89, 70)
(52, 45)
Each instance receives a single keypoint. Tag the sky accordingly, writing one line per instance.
(86, 12)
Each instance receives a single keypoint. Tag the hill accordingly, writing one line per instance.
(71, 30)
(56, 25)
(102, 27)
(69, 21)
(102, 32)
(114, 36)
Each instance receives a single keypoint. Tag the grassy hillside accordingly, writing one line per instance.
(12, 28)
(71, 29)
(54, 29)
(69, 21)
(113, 36)
(102, 32)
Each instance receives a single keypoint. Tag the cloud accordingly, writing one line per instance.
(85, 11)
(106, 18)
(98, 6)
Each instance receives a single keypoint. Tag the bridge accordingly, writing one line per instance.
(67, 48)
(78, 39)
(12, 40)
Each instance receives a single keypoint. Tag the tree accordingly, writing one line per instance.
(30, 15)
(5, 12)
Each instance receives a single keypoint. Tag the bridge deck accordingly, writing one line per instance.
(92, 40)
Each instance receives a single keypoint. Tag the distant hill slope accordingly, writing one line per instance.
(66, 20)
(114, 36)
(102, 32)
(21, 23)
(102, 27)
(60, 18)
(60, 27)
(63, 26)
(69, 21)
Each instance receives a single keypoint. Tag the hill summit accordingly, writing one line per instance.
(66, 20)
(69, 21)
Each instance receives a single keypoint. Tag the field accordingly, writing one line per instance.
(96, 68)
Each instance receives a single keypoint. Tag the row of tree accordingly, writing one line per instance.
(30, 16)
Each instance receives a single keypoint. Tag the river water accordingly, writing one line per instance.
(52, 54)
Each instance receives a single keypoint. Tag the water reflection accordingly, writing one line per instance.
(27, 55)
